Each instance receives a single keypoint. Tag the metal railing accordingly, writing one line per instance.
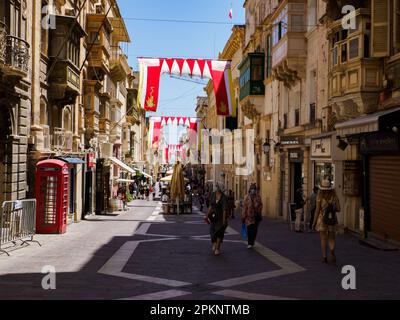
(46, 137)
(58, 138)
(17, 53)
(17, 222)
(3, 41)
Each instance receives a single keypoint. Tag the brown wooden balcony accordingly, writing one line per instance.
(289, 46)
(119, 66)
(98, 42)
(104, 126)
(64, 82)
(15, 56)
(355, 78)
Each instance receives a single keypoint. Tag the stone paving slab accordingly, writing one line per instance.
(168, 257)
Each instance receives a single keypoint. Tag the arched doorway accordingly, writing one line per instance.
(5, 150)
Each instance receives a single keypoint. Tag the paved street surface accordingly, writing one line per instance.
(141, 254)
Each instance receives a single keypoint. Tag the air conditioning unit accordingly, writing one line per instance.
(106, 150)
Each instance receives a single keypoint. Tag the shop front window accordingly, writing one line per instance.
(324, 171)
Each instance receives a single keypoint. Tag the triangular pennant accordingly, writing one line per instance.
(201, 64)
(190, 63)
(180, 63)
(169, 62)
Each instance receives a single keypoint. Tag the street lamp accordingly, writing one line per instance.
(267, 145)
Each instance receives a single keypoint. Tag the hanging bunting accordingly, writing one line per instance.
(218, 71)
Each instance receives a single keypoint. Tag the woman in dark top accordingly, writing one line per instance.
(218, 219)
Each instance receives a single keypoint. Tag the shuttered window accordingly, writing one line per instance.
(384, 191)
(396, 24)
(380, 28)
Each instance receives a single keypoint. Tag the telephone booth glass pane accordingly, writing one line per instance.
(48, 188)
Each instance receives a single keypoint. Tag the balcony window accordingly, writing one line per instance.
(367, 49)
(335, 56)
(343, 51)
(297, 117)
(94, 37)
(396, 26)
(297, 23)
(268, 59)
(252, 75)
(354, 48)
(280, 26)
(312, 113)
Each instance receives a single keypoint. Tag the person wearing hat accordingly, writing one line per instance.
(325, 220)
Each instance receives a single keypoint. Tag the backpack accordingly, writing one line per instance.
(329, 214)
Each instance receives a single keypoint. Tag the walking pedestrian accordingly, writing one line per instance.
(231, 204)
(217, 217)
(252, 214)
(325, 220)
(313, 205)
(200, 197)
(300, 202)
(123, 197)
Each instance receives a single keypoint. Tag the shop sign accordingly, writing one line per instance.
(292, 140)
(352, 177)
(379, 142)
(90, 160)
(321, 147)
(296, 156)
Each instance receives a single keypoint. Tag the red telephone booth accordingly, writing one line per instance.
(51, 196)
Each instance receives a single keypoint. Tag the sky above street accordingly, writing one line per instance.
(151, 38)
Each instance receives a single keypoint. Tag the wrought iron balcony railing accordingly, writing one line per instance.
(17, 54)
(3, 41)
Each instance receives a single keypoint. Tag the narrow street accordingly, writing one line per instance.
(141, 254)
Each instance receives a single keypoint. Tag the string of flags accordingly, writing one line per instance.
(156, 124)
(219, 71)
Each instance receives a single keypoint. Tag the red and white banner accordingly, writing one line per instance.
(219, 71)
(157, 123)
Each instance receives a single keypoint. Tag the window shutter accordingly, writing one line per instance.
(396, 32)
(380, 28)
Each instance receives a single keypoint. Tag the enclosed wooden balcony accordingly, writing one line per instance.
(252, 75)
(119, 66)
(64, 55)
(98, 42)
(289, 46)
(355, 77)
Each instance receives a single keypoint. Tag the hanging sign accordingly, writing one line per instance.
(90, 160)
(219, 71)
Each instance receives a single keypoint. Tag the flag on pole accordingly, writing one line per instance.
(231, 13)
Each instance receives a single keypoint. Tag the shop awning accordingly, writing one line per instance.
(122, 165)
(125, 180)
(72, 160)
(144, 173)
(367, 123)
